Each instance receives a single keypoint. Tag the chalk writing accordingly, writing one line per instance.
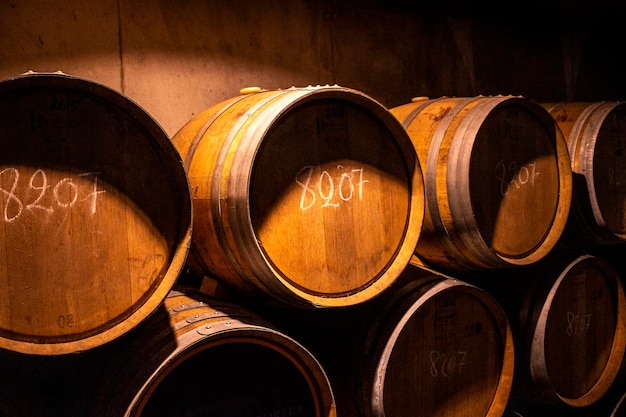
(512, 176)
(578, 324)
(331, 188)
(445, 365)
(63, 195)
(616, 177)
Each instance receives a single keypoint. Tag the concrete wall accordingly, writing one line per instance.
(175, 58)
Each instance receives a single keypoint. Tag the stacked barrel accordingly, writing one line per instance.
(308, 252)
(497, 180)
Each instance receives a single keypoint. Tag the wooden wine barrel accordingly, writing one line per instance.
(497, 180)
(212, 357)
(596, 140)
(569, 321)
(302, 197)
(446, 349)
(430, 343)
(577, 333)
(95, 213)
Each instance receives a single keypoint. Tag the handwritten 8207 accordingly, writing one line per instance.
(331, 188)
(38, 193)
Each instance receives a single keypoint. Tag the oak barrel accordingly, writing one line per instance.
(497, 180)
(596, 138)
(568, 315)
(429, 345)
(305, 196)
(446, 349)
(95, 214)
(208, 356)
(576, 331)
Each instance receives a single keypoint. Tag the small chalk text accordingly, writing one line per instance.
(329, 188)
(512, 175)
(444, 364)
(37, 193)
(578, 324)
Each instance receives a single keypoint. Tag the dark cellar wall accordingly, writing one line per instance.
(177, 58)
(543, 50)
